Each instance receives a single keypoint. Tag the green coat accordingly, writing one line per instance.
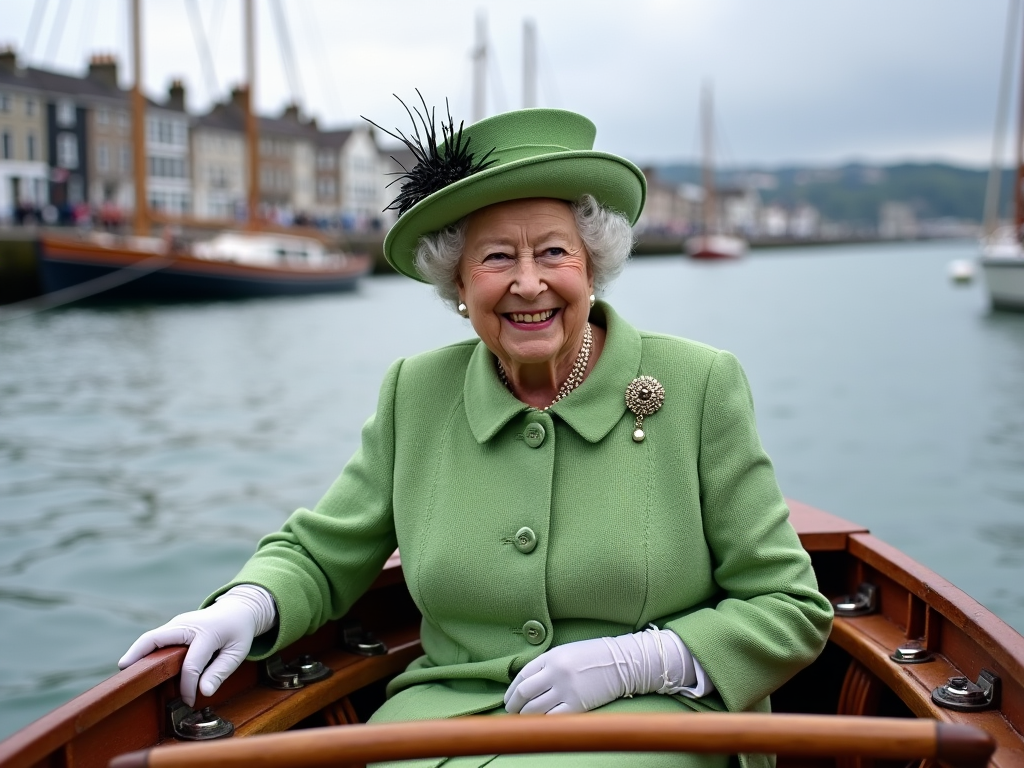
(687, 529)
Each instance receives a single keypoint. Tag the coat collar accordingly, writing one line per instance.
(592, 409)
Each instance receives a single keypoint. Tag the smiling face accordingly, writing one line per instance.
(525, 277)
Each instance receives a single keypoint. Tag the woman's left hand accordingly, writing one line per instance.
(573, 677)
(587, 674)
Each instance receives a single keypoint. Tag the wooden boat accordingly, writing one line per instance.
(906, 644)
(257, 262)
(232, 265)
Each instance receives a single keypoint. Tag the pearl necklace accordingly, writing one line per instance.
(575, 377)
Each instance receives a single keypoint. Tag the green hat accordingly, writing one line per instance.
(533, 153)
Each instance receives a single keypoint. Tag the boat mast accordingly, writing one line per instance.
(1018, 189)
(142, 222)
(479, 69)
(251, 126)
(529, 64)
(707, 136)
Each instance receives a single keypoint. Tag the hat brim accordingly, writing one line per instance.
(614, 181)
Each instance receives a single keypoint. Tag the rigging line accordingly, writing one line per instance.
(217, 22)
(34, 24)
(202, 48)
(328, 84)
(553, 95)
(84, 290)
(86, 30)
(990, 218)
(290, 68)
(57, 30)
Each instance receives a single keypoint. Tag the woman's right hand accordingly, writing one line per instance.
(225, 628)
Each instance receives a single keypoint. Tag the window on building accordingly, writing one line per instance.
(103, 116)
(30, 107)
(125, 159)
(67, 150)
(6, 145)
(102, 157)
(5, 102)
(66, 113)
(31, 146)
(123, 122)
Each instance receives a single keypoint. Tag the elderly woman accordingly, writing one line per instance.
(586, 516)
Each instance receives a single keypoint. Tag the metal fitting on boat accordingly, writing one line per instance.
(960, 694)
(860, 604)
(912, 652)
(310, 670)
(192, 725)
(274, 673)
(355, 639)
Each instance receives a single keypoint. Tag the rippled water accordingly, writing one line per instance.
(145, 449)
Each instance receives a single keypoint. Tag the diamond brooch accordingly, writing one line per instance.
(644, 396)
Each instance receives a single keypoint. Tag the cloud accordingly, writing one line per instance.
(794, 79)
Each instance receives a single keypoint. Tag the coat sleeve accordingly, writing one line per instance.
(323, 559)
(769, 621)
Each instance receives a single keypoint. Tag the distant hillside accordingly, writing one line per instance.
(854, 193)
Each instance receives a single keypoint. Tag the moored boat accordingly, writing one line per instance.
(1002, 262)
(711, 243)
(715, 247)
(906, 644)
(232, 265)
(1002, 252)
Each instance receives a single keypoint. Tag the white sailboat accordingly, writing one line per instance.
(1002, 252)
(712, 242)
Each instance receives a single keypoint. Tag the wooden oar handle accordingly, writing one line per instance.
(795, 735)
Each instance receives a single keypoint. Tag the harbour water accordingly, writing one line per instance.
(145, 449)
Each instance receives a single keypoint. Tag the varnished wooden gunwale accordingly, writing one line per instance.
(707, 733)
(126, 712)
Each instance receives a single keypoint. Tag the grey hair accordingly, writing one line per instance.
(606, 234)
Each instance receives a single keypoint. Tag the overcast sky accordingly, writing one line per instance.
(809, 81)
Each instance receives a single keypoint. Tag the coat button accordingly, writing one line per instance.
(534, 632)
(526, 540)
(534, 435)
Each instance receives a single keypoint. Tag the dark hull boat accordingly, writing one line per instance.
(148, 269)
(914, 668)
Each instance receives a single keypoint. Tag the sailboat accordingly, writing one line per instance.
(1002, 252)
(254, 262)
(712, 242)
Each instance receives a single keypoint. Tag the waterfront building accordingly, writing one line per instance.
(349, 170)
(168, 164)
(109, 137)
(219, 168)
(668, 210)
(287, 153)
(23, 169)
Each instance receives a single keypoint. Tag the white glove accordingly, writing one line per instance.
(584, 675)
(226, 628)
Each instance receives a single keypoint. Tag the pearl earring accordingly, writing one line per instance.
(463, 310)
(593, 300)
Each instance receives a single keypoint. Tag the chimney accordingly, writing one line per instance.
(176, 96)
(8, 60)
(103, 70)
(291, 112)
(239, 96)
